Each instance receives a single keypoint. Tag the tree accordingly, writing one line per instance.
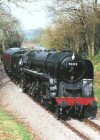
(10, 32)
(84, 15)
(59, 36)
(9, 25)
(5, 3)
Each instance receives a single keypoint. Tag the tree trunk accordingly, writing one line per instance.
(94, 30)
(3, 42)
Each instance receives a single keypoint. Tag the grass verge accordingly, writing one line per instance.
(96, 62)
(10, 129)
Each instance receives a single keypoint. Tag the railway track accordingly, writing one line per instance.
(92, 124)
(66, 124)
(74, 129)
(80, 134)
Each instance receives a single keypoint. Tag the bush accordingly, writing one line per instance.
(96, 59)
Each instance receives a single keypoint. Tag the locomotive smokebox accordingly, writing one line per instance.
(72, 68)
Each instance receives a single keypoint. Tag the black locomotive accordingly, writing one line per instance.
(61, 81)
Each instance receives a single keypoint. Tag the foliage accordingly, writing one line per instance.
(5, 3)
(76, 25)
(96, 62)
(10, 32)
(97, 93)
(10, 129)
(96, 59)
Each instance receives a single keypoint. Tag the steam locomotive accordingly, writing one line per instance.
(61, 81)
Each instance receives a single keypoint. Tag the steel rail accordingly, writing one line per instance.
(93, 124)
(80, 134)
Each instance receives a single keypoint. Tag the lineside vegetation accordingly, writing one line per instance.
(10, 129)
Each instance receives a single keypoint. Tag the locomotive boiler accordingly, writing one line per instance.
(61, 81)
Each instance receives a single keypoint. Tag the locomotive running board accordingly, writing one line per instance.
(36, 74)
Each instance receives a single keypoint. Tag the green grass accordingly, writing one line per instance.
(10, 129)
(97, 95)
(96, 62)
(97, 81)
(97, 68)
(98, 104)
(96, 59)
